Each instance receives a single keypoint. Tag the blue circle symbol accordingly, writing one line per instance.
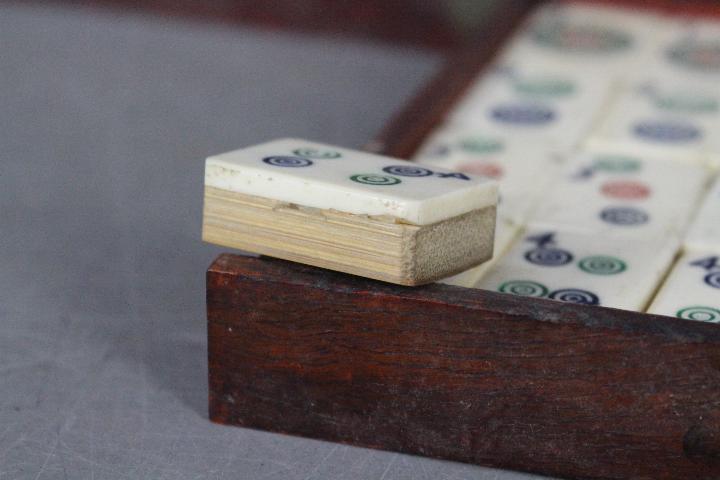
(285, 161)
(408, 171)
(548, 257)
(575, 295)
(624, 216)
(523, 114)
(670, 132)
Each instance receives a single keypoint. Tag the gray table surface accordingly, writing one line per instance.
(105, 119)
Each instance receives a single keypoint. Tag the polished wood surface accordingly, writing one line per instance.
(461, 374)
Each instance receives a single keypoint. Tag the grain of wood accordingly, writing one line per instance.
(528, 384)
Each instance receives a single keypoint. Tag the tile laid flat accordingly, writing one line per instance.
(538, 104)
(704, 232)
(588, 39)
(662, 119)
(687, 50)
(505, 234)
(692, 290)
(328, 177)
(349, 211)
(615, 195)
(523, 170)
(586, 269)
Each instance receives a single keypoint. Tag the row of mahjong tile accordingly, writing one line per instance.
(662, 120)
(655, 118)
(619, 41)
(542, 99)
(652, 201)
(540, 104)
(605, 194)
(555, 90)
(591, 270)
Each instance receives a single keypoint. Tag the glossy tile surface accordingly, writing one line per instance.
(704, 233)
(663, 119)
(688, 50)
(692, 291)
(583, 269)
(536, 103)
(588, 39)
(617, 195)
(328, 177)
(523, 170)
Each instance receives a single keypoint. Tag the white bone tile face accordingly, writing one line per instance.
(688, 50)
(663, 120)
(327, 177)
(523, 170)
(704, 233)
(583, 269)
(692, 291)
(616, 195)
(587, 39)
(540, 105)
(505, 234)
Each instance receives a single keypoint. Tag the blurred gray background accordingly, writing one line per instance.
(105, 121)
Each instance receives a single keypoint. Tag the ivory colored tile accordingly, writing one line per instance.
(505, 234)
(585, 269)
(328, 177)
(687, 50)
(523, 170)
(704, 233)
(692, 290)
(588, 39)
(349, 211)
(540, 105)
(620, 195)
(674, 120)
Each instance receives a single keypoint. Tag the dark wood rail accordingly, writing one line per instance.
(461, 374)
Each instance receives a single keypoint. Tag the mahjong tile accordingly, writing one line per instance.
(537, 105)
(692, 290)
(688, 50)
(663, 120)
(327, 177)
(588, 39)
(349, 211)
(586, 269)
(704, 233)
(523, 169)
(617, 195)
(505, 234)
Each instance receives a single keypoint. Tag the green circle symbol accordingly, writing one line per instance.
(374, 179)
(602, 265)
(316, 153)
(524, 288)
(700, 314)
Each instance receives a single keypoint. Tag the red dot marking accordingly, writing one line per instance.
(625, 190)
